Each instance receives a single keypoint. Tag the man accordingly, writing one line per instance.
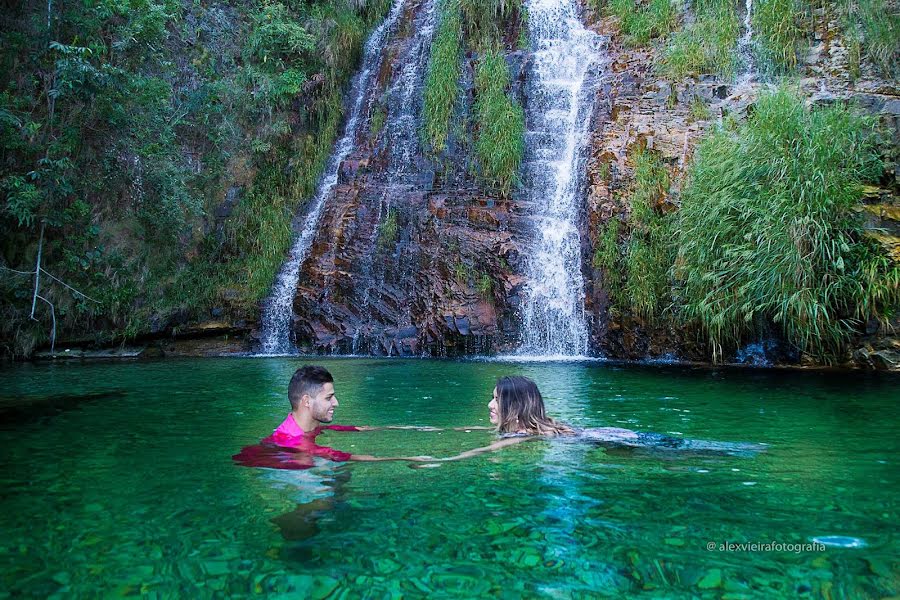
(293, 446)
(293, 443)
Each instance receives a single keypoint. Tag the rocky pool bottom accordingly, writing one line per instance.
(117, 480)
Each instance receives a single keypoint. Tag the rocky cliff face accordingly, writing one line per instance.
(411, 256)
(638, 109)
(414, 257)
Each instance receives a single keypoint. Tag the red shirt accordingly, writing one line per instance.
(289, 447)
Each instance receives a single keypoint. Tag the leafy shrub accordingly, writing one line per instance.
(768, 233)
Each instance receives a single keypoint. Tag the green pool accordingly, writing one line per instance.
(118, 481)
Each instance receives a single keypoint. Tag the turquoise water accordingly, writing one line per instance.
(131, 490)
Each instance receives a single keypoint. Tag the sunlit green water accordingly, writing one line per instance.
(136, 493)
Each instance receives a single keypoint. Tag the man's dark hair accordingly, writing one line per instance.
(308, 379)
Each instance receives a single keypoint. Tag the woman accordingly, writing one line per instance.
(517, 411)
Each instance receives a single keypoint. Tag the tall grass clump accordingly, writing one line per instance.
(500, 123)
(485, 20)
(442, 81)
(388, 230)
(608, 258)
(636, 270)
(649, 248)
(779, 34)
(643, 22)
(709, 45)
(768, 233)
(872, 28)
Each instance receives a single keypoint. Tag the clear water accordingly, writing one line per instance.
(135, 493)
(562, 84)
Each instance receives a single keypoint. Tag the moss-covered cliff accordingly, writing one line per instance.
(736, 181)
(163, 149)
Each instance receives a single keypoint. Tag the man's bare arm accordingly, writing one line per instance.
(412, 427)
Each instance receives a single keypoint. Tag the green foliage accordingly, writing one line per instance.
(500, 123)
(649, 248)
(779, 35)
(603, 170)
(22, 199)
(872, 28)
(881, 30)
(708, 45)
(125, 158)
(699, 110)
(648, 261)
(768, 233)
(483, 20)
(484, 285)
(608, 257)
(462, 272)
(388, 230)
(643, 22)
(277, 37)
(442, 86)
(522, 42)
(854, 55)
(635, 274)
(376, 123)
(651, 181)
(343, 35)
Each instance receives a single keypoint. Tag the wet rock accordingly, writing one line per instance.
(350, 169)
(462, 325)
(232, 197)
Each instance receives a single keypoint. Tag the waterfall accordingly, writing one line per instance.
(406, 95)
(744, 46)
(278, 310)
(401, 135)
(561, 88)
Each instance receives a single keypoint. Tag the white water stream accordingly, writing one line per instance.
(278, 311)
(562, 87)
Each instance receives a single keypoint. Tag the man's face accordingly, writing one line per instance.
(322, 405)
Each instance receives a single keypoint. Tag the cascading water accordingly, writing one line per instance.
(404, 98)
(403, 125)
(561, 88)
(278, 309)
(746, 39)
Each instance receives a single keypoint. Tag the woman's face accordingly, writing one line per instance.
(494, 407)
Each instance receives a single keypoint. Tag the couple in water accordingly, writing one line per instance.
(294, 461)
(516, 409)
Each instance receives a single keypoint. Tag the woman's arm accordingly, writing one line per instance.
(424, 428)
(370, 458)
(499, 444)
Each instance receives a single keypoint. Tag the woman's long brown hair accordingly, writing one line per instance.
(521, 408)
